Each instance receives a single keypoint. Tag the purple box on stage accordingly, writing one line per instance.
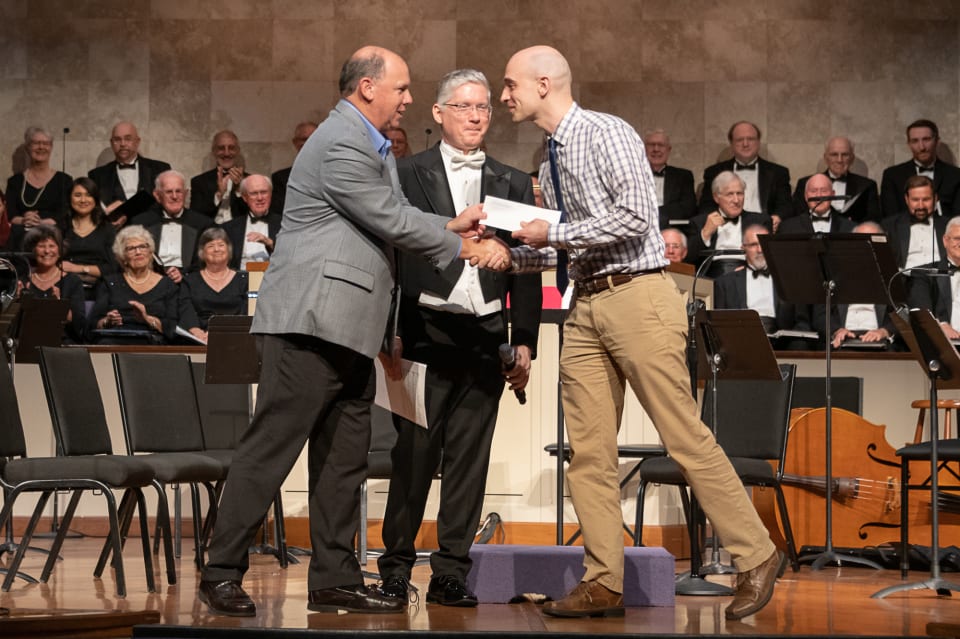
(501, 572)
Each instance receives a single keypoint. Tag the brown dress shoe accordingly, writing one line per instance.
(356, 598)
(588, 599)
(755, 587)
(226, 598)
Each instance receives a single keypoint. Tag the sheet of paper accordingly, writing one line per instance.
(507, 215)
(405, 396)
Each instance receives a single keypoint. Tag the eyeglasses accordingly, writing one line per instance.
(483, 110)
(126, 138)
(41, 142)
(673, 247)
(137, 248)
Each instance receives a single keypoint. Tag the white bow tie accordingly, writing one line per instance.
(473, 161)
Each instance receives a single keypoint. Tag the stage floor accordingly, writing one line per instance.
(830, 602)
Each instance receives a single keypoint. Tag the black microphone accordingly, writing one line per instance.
(508, 357)
(428, 132)
(935, 272)
(63, 163)
(830, 198)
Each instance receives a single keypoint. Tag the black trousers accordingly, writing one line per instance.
(310, 391)
(464, 384)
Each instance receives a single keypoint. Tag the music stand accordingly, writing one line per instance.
(733, 345)
(233, 358)
(36, 322)
(939, 360)
(851, 268)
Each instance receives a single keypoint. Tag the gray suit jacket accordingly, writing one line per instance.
(332, 273)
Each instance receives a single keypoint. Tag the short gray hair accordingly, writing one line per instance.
(33, 131)
(132, 232)
(954, 221)
(245, 181)
(456, 79)
(356, 68)
(211, 234)
(723, 179)
(166, 174)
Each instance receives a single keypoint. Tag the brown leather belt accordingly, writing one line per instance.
(599, 284)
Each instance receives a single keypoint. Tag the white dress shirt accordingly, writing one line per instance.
(466, 296)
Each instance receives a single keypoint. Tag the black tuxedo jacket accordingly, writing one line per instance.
(424, 182)
(279, 180)
(193, 225)
(730, 292)
(934, 293)
(865, 207)
(773, 180)
(695, 244)
(802, 223)
(898, 230)
(202, 189)
(236, 230)
(109, 184)
(679, 198)
(946, 182)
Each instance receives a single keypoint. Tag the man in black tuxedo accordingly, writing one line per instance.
(864, 202)
(936, 293)
(820, 217)
(923, 138)
(253, 235)
(916, 237)
(453, 320)
(279, 178)
(674, 245)
(752, 287)
(675, 193)
(127, 174)
(216, 193)
(767, 184)
(721, 229)
(174, 228)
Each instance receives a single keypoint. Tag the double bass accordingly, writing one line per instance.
(866, 486)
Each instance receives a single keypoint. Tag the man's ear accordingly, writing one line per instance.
(543, 86)
(366, 89)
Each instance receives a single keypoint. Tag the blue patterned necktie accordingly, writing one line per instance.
(563, 278)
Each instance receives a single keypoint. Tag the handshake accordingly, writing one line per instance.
(483, 250)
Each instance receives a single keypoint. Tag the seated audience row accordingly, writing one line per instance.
(767, 184)
(41, 194)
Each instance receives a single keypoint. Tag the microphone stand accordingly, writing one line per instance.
(693, 581)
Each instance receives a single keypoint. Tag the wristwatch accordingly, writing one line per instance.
(86, 270)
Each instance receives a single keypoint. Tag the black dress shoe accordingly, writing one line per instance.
(226, 598)
(357, 598)
(449, 590)
(396, 586)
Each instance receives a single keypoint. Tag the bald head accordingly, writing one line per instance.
(377, 82)
(537, 86)
(819, 185)
(125, 142)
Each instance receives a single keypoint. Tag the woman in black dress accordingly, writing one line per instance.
(215, 289)
(88, 238)
(137, 305)
(39, 195)
(47, 279)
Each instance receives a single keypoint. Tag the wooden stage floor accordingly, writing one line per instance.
(831, 602)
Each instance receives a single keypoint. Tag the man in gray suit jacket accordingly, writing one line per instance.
(321, 317)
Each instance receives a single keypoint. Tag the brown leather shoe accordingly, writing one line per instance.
(755, 587)
(357, 598)
(588, 599)
(226, 598)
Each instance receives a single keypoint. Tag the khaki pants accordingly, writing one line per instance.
(636, 333)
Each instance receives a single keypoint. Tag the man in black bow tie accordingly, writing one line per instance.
(923, 138)
(751, 287)
(675, 194)
(254, 234)
(916, 237)
(127, 174)
(721, 229)
(174, 227)
(454, 320)
(937, 293)
(820, 216)
(864, 200)
(767, 184)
